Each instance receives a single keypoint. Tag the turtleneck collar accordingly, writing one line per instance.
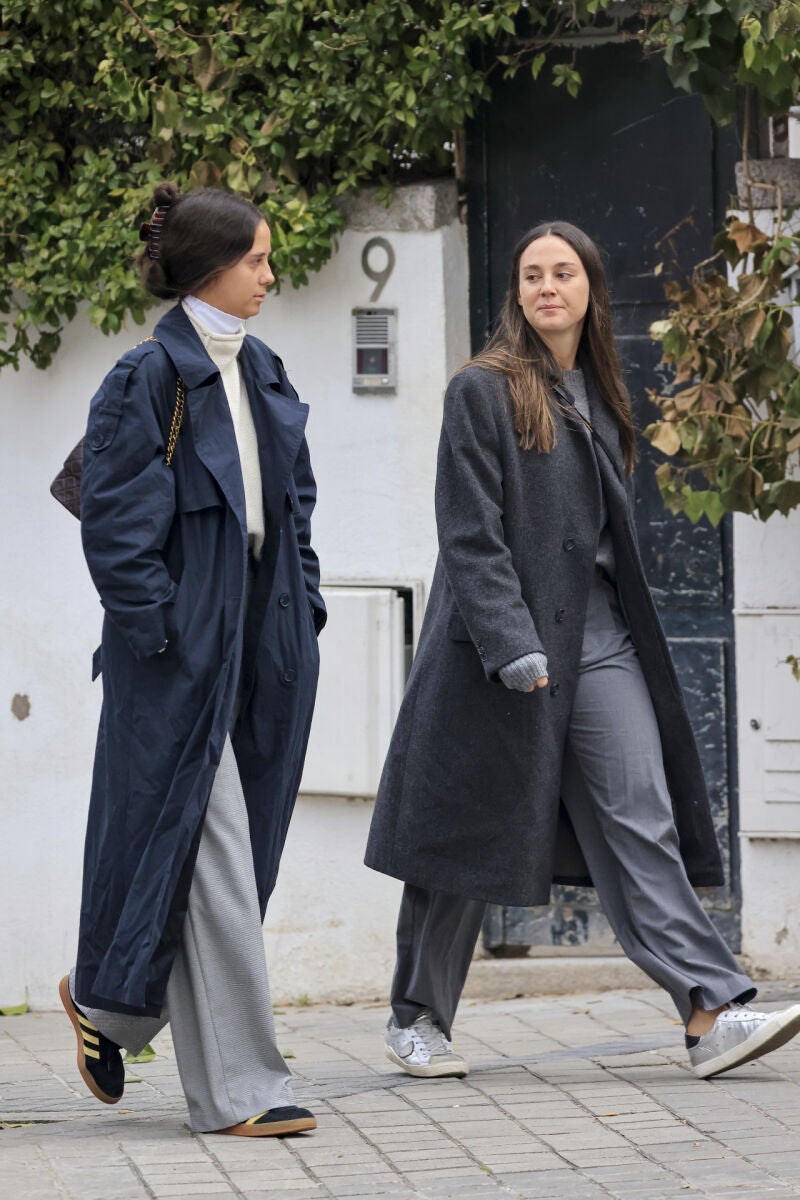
(213, 320)
(221, 346)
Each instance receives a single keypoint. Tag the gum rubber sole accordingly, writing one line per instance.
(761, 1042)
(433, 1071)
(272, 1128)
(72, 1013)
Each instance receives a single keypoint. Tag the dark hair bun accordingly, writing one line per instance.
(155, 279)
(165, 194)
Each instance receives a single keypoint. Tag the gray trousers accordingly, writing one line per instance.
(218, 1002)
(615, 792)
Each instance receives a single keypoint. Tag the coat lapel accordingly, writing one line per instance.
(579, 429)
(604, 425)
(215, 442)
(280, 423)
(602, 439)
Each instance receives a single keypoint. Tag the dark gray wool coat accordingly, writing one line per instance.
(167, 550)
(469, 797)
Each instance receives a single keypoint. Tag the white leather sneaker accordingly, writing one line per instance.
(422, 1049)
(739, 1035)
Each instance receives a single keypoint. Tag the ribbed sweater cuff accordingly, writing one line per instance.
(521, 673)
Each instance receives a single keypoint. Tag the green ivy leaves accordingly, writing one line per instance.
(289, 102)
(710, 47)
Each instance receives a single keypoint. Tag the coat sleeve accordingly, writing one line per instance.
(307, 497)
(306, 488)
(128, 505)
(469, 517)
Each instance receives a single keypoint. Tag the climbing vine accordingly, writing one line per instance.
(732, 415)
(291, 102)
(713, 47)
(730, 421)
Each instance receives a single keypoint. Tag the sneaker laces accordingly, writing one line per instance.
(429, 1036)
(741, 1012)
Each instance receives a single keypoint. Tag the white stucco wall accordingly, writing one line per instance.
(767, 628)
(767, 621)
(330, 925)
(330, 928)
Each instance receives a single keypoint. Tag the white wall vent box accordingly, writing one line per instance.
(768, 703)
(365, 656)
(374, 349)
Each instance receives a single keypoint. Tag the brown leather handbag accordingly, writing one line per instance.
(66, 487)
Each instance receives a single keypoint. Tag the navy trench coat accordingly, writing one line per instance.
(167, 550)
(469, 798)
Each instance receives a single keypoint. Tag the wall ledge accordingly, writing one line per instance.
(414, 207)
(783, 172)
(787, 610)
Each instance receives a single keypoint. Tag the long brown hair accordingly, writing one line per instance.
(516, 351)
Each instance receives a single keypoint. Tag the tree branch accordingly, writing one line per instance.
(129, 8)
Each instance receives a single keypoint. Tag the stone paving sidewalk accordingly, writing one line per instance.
(577, 1097)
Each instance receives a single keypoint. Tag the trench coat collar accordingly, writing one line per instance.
(177, 335)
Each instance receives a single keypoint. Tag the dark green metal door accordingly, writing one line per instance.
(628, 161)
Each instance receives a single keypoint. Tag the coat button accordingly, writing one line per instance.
(283, 599)
(289, 675)
(560, 614)
(481, 651)
(97, 440)
(568, 544)
(555, 688)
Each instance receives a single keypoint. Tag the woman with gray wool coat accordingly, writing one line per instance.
(543, 735)
(196, 502)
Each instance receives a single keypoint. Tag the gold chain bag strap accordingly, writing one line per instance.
(66, 487)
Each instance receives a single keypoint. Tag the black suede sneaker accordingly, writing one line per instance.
(99, 1059)
(276, 1122)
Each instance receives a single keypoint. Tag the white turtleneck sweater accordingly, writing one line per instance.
(222, 335)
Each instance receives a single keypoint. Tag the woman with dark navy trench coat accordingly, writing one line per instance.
(209, 666)
(543, 735)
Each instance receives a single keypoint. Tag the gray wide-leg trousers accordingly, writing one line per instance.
(218, 1001)
(616, 795)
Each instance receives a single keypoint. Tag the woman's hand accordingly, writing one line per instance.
(540, 683)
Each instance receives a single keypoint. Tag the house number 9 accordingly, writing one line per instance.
(379, 277)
